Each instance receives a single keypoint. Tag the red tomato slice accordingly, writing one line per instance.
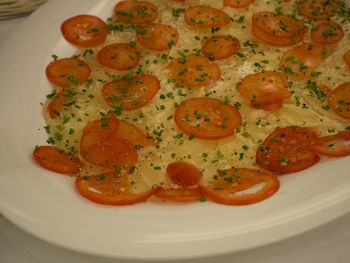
(112, 153)
(56, 160)
(346, 58)
(184, 174)
(136, 12)
(327, 33)
(158, 37)
(97, 132)
(333, 145)
(68, 72)
(237, 3)
(194, 71)
(55, 107)
(207, 118)
(119, 56)
(317, 9)
(265, 90)
(206, 17)
(85, 31)
(224, 189)
(134, 135)
(301, 61)
(130, 94)
(221, 47)
(182, 195)
(110, 189)
(277, 30)
(339, 100)
(286, 150)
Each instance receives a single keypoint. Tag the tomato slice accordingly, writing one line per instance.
(228, 183)
(56, 160)
(133, 93)
(333, 145)
(68, 72)
(221, 47)
(110, 189)
(85, 31)
(317, 9)
(134, 135)
(115, 152)
(277, 30)
(207, 118)
(194, 71)
(55, 107)
(327, 33)
(183, 174)
(286, 150)
(301, 61)
(182, 195)
(119, 56)
(136, 12)
(97, 132)
(238, 3)
(339, 100)
(206, 17)
(158, 37)
(265, 90)
(346, 58)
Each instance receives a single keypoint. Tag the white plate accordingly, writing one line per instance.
(46, 205)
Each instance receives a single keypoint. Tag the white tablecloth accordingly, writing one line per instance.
(329, 243)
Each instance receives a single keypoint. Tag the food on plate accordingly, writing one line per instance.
(277, 29)
(157, 37)
(85, 31)
(302, 61)
(327, 33)
(286, 150)
(265, 90)
(221, 47)
(197, 100)
(68, 72)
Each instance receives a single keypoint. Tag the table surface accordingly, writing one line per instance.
(328, 243)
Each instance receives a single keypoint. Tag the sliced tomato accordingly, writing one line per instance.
(207, 118)
(301, 61)
(181, 195)
(194, 71)
(119, 56)
(327, 33)
(110, 189)
(333, 145)
(55, 107)
(221, 47)
(134, 135)
(346, 58)
(68, 72)
(133, 93)
(317, 9)
(183, 174)
(56, 160)
(136, 12)
(277, 30)
(85, 31)
(265, 90)
(97, 132)
(229, 183)
(206, 17)
(339, 100)
(115, 152)
(286, 150)
(158, 37)
(238, 3)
